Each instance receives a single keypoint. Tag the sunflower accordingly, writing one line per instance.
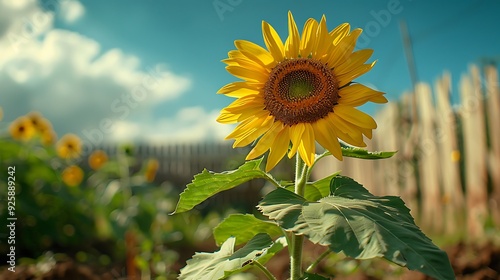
(151, 169)
(22, 129)
(43, 127)
(69, 146)
(72, 175)
(97, 159)
(300, 91)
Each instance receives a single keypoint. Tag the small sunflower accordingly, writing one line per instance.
(22, 129)
(69, 146)
(151, 169)
(43, 127)
(97, 159)
(300, 91)
(48, 137)
(72, 175)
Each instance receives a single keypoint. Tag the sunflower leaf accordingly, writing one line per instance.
(364, 154)
(226, 261)
(243, 227)
(206, 184)
(360, 224)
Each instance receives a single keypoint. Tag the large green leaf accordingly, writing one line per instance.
(360, 224)
(225, 262)
(207, 183)
(243, 227)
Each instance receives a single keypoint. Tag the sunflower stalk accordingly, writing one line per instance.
(301, 173)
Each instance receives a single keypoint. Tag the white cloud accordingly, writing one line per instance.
(21, 21)
(70, 80)
(71, 10)
(190, 124)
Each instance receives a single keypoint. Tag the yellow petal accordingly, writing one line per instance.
(266, 141)
(358, 94)
(245, 102)
(379, 99)
(355, 116)
(323, 41)
(246, 63)
(247, 74)
(326, 137)
(278, 149)
(273, 41)
(248, 125)
(345, 78)
(254, 133)
(340, 52)
(296, 132)
(293, 41)
(348, 139)
(356, 59)
(340, 32)
(256, 53)
(227, 117)
(235, 54)
(308, 37)
(307, 150)
(346, 131)
(240, 89)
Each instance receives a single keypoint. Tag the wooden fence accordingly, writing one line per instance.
(447, 168)
(179, 162)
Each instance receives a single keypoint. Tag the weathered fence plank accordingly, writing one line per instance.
(449, 156)
(428, 161)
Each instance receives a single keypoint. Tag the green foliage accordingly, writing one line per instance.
(354, 152)
(226, 261)
(360, 224)
(88, 222)
(207, 184)
(243, 228)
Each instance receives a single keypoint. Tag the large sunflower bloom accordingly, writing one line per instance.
(300, 91)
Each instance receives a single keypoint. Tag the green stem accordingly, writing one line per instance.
(301, 172)
(268, 274)
(318, 260)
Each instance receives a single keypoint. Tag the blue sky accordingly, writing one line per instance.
(105, 49)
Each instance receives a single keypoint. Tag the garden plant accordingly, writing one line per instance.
(292, 95)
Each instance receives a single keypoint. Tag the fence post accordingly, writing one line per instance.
(453, 197)
(472, 114)
(493, 97)
(428, 161)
